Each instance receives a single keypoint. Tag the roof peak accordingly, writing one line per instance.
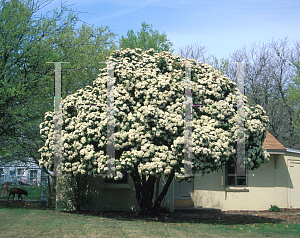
(271, 143)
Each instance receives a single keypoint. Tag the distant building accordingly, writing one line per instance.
(22, 173)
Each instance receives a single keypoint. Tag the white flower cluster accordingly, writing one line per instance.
(150, 119)
(256, 123)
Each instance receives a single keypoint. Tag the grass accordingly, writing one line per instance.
(34, 192)
(19, 221)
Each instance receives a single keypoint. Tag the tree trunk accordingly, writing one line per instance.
(145, 192)
(163, 193)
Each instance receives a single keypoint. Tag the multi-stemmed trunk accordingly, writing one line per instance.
(145, 187)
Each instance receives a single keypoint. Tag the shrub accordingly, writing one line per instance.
(274, 209)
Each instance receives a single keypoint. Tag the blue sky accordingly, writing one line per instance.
(223, 26)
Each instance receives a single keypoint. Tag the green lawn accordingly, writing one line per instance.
(30, 222)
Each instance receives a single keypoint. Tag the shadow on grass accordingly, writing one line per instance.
(19, 204)
(201, 218)
(204, 218)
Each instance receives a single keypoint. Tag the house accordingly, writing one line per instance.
(274, 183)
(26, 173)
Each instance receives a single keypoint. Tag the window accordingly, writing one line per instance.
(33, 176)
(44, 178)
(12, 173)
(20, 172)
(122, 180)
(231, 178)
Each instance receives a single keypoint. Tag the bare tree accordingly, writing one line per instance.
(266, 83)
(196, 52)
(267, 78)
(199, 53)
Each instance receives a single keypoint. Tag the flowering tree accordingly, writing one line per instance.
(150, 124)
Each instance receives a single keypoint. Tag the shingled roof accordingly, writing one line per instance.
(271, 143)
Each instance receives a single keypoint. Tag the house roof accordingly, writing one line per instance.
(271, 143)
(292, 150)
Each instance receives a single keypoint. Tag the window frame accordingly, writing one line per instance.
(226, 179)
(44, 179)
(33, 177)
(22, 172)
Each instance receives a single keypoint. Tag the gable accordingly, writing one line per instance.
(271, 143)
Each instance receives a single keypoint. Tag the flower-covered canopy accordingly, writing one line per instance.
(149, 104)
